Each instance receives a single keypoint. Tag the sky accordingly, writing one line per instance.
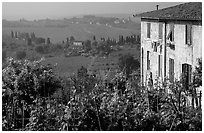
(57, 10)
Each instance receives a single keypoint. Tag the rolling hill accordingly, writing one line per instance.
(81, 28)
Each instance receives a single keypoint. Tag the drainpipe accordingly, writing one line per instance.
(164, 50)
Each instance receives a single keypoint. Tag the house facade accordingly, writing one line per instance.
(171, 42)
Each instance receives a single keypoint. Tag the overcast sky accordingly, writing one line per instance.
(54, 10)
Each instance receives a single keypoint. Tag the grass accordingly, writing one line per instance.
(111, 61)
(67, 65)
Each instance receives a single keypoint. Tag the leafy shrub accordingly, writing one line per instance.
(25, 81)
(42, 49)
(39, 40)
(127, 63)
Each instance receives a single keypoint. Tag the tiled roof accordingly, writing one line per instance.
(186, 11)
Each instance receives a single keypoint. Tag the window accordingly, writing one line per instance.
(160, 30)
(148, 61)
(148, 30)
(171, 70)
(170, 35)
(154, 46)
(159, 65)
(186, 73)
(188, 34)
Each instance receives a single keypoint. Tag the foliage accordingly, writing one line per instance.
(87, 45)
(87, 103)
(25, 81)
(127, 63)
(72, 39)
(197, 75)
(42, 49)
(29, 42)
(48, 40)
(39, 40)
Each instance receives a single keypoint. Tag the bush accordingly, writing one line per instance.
(25, 82)
(39, 40)
(42, 49)
(20, 55)
(127, 63)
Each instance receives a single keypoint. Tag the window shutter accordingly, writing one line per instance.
(171, 70)
(148, 30)
(188, 34)
(187, 72)
(160, 31)
(148, 61)
(170, 35)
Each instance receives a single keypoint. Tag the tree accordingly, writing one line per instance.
(48, 40)
(16, 34)
(29, 42)
(82, 72)
(12, 34)
(127, 63)
(39, 40)
(72, 39)
(94, 38)
(197, 75)
(87, 45)
(32, 36)
(138, 39)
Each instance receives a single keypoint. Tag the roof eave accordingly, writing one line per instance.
(167, 19)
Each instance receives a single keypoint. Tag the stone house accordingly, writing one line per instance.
(171, 42)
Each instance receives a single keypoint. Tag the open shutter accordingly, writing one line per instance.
(170, 35)
(187, 72)
(148, 61)
(160, 31)
(148, 30)
(171, 70)
(159, 65)
(188, 34)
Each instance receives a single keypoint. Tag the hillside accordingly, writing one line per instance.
(81, 28)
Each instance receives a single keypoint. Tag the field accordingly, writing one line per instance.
(67, 65)
(70, 65)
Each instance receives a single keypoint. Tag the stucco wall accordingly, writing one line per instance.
(183, 53)
(146, 44)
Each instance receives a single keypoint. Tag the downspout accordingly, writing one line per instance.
(164, 51)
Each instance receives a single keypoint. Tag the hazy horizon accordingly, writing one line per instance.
(59, 10)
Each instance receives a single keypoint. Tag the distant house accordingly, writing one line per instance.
(116, 21)
(78, 43)
(171, 42)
